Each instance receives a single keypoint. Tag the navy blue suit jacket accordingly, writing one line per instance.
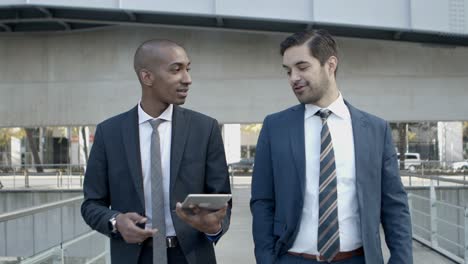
(278, 186)
(114, 180)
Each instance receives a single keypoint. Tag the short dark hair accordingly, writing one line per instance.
(321, 44)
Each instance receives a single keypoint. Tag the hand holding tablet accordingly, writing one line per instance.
(212, 202)
(204, 212)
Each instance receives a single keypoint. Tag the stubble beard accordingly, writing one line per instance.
(315, 92)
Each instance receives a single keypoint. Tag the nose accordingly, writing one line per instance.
(294, 76)
(187, 80)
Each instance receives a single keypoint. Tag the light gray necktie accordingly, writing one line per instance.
(157, 197)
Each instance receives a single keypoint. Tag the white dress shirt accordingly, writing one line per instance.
(339, 123)
(164, 130)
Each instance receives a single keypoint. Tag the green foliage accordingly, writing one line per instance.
(7, 133)
(251, 128)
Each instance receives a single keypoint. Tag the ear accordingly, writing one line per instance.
(146, 77)
(332, 65)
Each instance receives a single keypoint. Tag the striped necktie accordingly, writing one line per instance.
(157, 197)
(328, 231)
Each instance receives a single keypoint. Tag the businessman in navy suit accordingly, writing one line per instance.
(326, 173)
(147, 160)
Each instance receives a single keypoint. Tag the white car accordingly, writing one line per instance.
(412, 161)
(460, 165)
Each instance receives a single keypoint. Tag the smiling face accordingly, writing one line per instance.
(166, 79)
(311, 82)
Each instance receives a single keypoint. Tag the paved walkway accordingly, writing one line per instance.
(236, 247)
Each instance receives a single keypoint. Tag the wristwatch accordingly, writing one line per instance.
(112, 224)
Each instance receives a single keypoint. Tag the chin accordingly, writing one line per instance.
(303, 100)
(180, 102)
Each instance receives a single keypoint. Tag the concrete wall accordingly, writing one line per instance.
(449, 16)
(83, 78)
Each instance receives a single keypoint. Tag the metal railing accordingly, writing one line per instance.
(51, 231)
(434, 170)
(439, 225)
(61, 253)
(64, 176)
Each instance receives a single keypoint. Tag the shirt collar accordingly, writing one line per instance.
(143, 116)
(338, 108)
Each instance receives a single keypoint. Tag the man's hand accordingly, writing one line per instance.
(206, 221)
(131, 233)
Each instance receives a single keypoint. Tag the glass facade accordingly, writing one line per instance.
(42, 148)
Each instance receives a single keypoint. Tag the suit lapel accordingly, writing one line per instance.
(180, 128)
(361, 150)
(131, 141)
(297, 140)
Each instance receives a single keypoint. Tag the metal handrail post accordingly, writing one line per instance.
(70, 181)
(232, 177)
(5, 237)
(410, 206)
(26, 178)
(422, 169)
(466, 235)
(62, 255)
(433, 214)
(61, 178)
(14, 178)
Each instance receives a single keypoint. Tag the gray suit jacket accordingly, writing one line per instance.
(278, 186)
(114, 181)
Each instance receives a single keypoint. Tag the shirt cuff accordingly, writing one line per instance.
(214, 237)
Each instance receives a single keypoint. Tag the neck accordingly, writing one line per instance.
(153, 108)
(330, 97)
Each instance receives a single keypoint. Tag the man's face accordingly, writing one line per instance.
(309, 80)
(171, 78)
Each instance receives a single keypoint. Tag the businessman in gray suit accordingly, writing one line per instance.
(145, 161)
(326, 173)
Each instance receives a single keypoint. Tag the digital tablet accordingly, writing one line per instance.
(207, 201)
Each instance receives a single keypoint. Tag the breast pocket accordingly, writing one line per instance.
(192, 172)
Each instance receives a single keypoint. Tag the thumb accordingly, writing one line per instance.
(221, 213)
(136, 217)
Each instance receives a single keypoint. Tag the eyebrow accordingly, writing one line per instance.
(297, 63)
(180, 64)
(301, 62)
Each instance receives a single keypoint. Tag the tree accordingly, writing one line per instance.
(251, 128)
(250, 131)
(34, 150)
(85, 142)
